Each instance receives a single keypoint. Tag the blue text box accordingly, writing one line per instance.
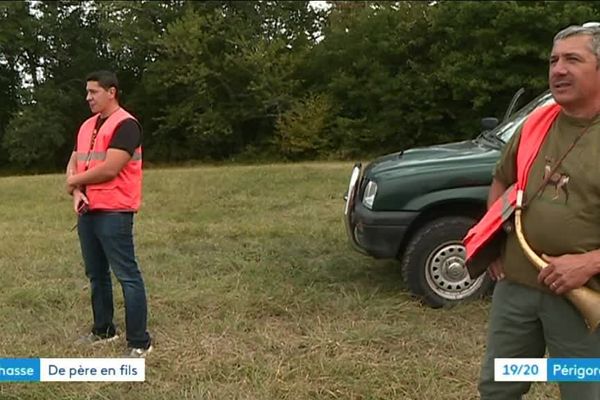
(19, 369)
(573, 370)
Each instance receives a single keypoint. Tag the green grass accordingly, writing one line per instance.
(253, 291)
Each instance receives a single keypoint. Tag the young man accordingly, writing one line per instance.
(104, 176)
(529, 313)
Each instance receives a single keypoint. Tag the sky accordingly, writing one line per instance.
(319, 4)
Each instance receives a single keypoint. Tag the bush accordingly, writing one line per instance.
(301, 130)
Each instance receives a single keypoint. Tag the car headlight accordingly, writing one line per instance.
(369, 196)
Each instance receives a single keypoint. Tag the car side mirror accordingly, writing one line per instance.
(489, 123)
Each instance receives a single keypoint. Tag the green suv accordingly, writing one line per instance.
(417, 205)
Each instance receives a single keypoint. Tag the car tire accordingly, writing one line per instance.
(433, 265)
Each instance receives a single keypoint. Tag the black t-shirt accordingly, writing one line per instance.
(128, 135)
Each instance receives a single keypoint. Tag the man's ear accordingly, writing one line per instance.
(112, 91)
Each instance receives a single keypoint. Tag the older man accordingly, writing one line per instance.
(529, 315)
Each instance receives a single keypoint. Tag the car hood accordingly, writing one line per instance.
(437, 157)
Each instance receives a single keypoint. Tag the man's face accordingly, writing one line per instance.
(573, 74)
(97, 97)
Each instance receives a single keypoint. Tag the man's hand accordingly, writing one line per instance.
(71, 181)
(80, 201)
(496, 270)
(70, 188)
(71, 170)
(566, 272)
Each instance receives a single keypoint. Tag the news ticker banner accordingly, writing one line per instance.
(547, 369)
(72, 369)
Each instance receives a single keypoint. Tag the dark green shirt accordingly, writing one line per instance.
(565, 216)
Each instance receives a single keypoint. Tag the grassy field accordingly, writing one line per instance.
(253, 294)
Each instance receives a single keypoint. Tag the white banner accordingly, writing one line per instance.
(92, 369)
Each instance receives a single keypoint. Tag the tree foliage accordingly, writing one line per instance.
(216, 80)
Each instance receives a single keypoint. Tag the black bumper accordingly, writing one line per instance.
(379, 233)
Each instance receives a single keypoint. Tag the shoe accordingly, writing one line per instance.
(134, 352)
(93, 339)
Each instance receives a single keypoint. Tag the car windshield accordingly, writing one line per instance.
(505, 131)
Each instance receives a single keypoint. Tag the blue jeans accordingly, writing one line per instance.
(106, 239)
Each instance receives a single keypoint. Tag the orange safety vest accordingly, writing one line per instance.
(486, 232)
(124, 192)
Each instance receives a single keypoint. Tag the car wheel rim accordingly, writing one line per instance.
(447, 275)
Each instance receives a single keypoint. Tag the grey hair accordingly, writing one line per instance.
(592, 30)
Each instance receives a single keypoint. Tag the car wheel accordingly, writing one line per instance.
(433, 265)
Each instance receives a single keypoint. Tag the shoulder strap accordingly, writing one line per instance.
(534, 131)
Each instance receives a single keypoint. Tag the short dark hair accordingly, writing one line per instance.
(106, 79)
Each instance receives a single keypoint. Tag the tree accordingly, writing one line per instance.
(220, 79)
(15, 21)
(226, 73)
(56, 56)
(372, 62)
(485, 51)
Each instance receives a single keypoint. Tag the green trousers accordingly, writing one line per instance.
(523, 323)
